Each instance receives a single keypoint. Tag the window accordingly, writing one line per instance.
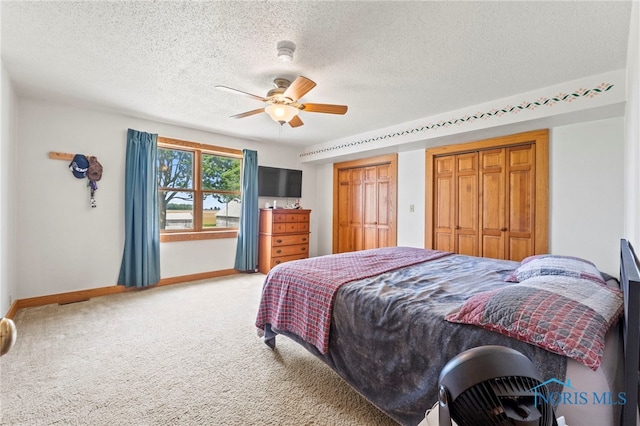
(198, 190)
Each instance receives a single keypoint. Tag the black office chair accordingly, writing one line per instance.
(493, 385)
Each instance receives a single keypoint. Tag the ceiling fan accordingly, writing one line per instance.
(283, 101)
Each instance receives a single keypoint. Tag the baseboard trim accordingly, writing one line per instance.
(13, 309)
(81, 295)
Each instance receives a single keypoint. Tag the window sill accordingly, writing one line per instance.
(195, 236)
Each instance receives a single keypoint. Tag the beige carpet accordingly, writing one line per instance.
(186, 354)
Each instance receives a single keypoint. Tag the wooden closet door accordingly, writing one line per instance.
(484, 202)
(444, 203)
(356, 209)
(456, 204)
(520, 201)
(512, 196)
(344, 211)
(507, 202)
(376, 224)
(386, 206)
(466, 205)
(370, 208)
(492, 203)
(364, 204)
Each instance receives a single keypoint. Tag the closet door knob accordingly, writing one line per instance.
(503, 229)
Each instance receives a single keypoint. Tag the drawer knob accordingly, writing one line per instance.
(278, 241)
(278, 251)
(303, 248)
(304, 239)
(278, 261)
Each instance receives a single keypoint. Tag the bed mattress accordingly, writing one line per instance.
(388, 338)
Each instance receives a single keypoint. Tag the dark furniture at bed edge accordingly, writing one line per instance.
(630, 284)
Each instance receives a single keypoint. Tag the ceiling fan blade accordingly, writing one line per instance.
(240, 92)
(325, 108)
(299, 88)
(248, 113)
(295, 121)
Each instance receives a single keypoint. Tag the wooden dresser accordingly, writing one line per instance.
(284, 236)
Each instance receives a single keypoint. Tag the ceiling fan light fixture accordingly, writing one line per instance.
(285, 50)
(281, 113)
(282, 101)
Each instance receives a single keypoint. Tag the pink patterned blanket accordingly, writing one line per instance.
(297, 297)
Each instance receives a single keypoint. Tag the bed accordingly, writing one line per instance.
(387, 321)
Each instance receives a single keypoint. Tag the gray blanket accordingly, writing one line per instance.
(389, 341)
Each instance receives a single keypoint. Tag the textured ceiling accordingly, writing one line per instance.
(390, 62)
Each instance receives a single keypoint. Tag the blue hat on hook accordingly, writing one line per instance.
(79, 166)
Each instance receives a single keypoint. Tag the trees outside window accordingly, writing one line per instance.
(198, 187)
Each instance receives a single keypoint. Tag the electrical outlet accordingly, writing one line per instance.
(411, 208)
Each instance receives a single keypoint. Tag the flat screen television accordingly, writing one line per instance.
(277, 182)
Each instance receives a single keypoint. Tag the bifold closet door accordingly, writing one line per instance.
(456, 204)
(365, 207)
(484, 202)
(466, 205)
(444, 205)
(493, 217)
(376, 189)
(350, 211)
(520, 202)
(490, 197)
(507, 201)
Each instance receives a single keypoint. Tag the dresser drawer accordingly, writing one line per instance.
(283, 236)
(289, 250)
(289, 227)
(280, 217)
(302, 217)
(278, 260)
(293, 227)
(292, 217)
(287, 240)
(279, 228)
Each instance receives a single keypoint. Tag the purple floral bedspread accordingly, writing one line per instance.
(389, 340)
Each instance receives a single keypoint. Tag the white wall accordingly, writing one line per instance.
(586, 193)
(8, 208)
(64, 244)
(411, 192)
(586, 180)
(594, 172)
(324, 209)
(632, 132)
